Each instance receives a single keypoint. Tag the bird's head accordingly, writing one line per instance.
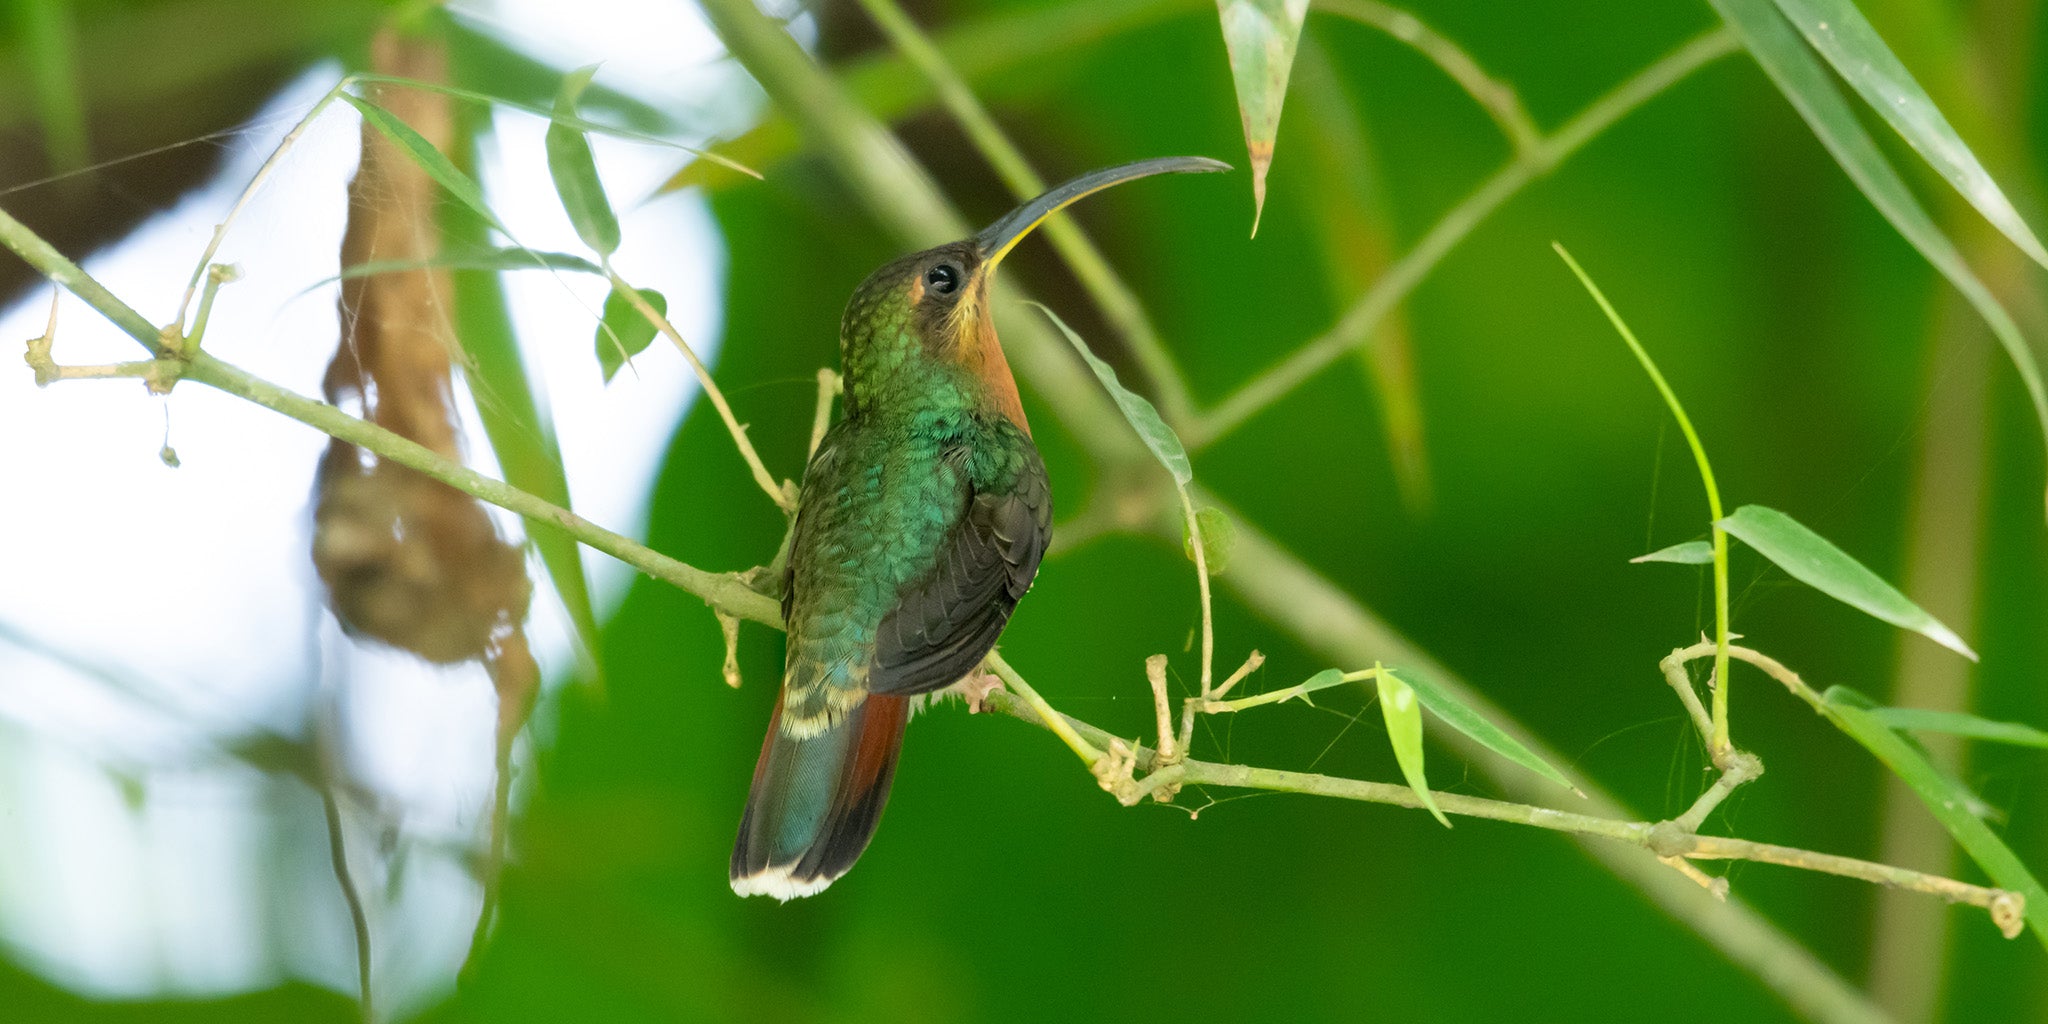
(931, 308)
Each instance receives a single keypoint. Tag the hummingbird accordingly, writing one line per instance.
(923, 516)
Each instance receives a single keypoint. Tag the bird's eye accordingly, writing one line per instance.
(942, 278)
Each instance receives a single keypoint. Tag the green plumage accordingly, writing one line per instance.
(924, 514)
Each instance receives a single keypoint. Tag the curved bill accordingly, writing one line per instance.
(996, 240)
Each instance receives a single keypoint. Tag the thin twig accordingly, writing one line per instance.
(1497, 98)
(1743, 767)
(1251, 664)
(1719, 744)
(2007, 908)
(1162, 707)
(821, 418)
(330, 769)
(1673, 667)
(1355, 327)
(1715, 887)
(1665, 839)
(1043, 712)
(1194, 527)
(765, 479)
(270, 163)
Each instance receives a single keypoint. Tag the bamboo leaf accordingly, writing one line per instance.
(575, 121)
(521, 435)
(1455, 714)
(485, 259)
(1800, 76)
(1144, 419)
(625, 333)
(1849, 712)
(1261, 36)
(1404, 730)
(430, 160)
(1957, 723)
(575, 171)
(1811, 559)
(1692, 552)
(1320, 681)
(1846, 38)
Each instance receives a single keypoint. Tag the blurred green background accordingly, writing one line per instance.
(1823, 361)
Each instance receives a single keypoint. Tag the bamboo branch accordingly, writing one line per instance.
(1497, 98)
(1355, 327)
(764, 479)
(1663, 839)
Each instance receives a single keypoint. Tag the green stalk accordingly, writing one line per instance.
(1719, 745)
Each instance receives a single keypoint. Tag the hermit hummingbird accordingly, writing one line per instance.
(922, 518)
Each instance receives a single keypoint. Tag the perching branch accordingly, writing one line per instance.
(1497, 98)
(1663, 839)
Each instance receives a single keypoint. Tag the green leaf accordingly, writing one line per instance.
(1948, 802)
(429, 159)
(1692, 552)
(1261, 36)
(1404, 730)
(1957, 723)
(1804, 81)
(521, 435)
(625, 333)
(488, 259)
(1811, 559)
(1455, 714)
(577, 122)
(1842, 35)
(1144, 419)
(1320, 681)
(575, 171)
(1219, 539)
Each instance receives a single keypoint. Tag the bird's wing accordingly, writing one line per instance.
(945, 622)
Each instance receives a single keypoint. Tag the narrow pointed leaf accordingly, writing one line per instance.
(576, 121)
(431, 160)
(1811, 559)
(625, 333)
(575, 171)
(1261, 36)
(1972, 801)
(1455, 714)
(1144, 419)
(490, 259)
(522, 436)
(1842, 35)
(1957, 723)
(1692, 552)
(1948, 803)
(1320, 681)
(1404, 730)
(1805, 82)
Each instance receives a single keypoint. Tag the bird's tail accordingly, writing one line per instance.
(815, 801)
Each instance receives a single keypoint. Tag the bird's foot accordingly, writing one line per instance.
(976, 687)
